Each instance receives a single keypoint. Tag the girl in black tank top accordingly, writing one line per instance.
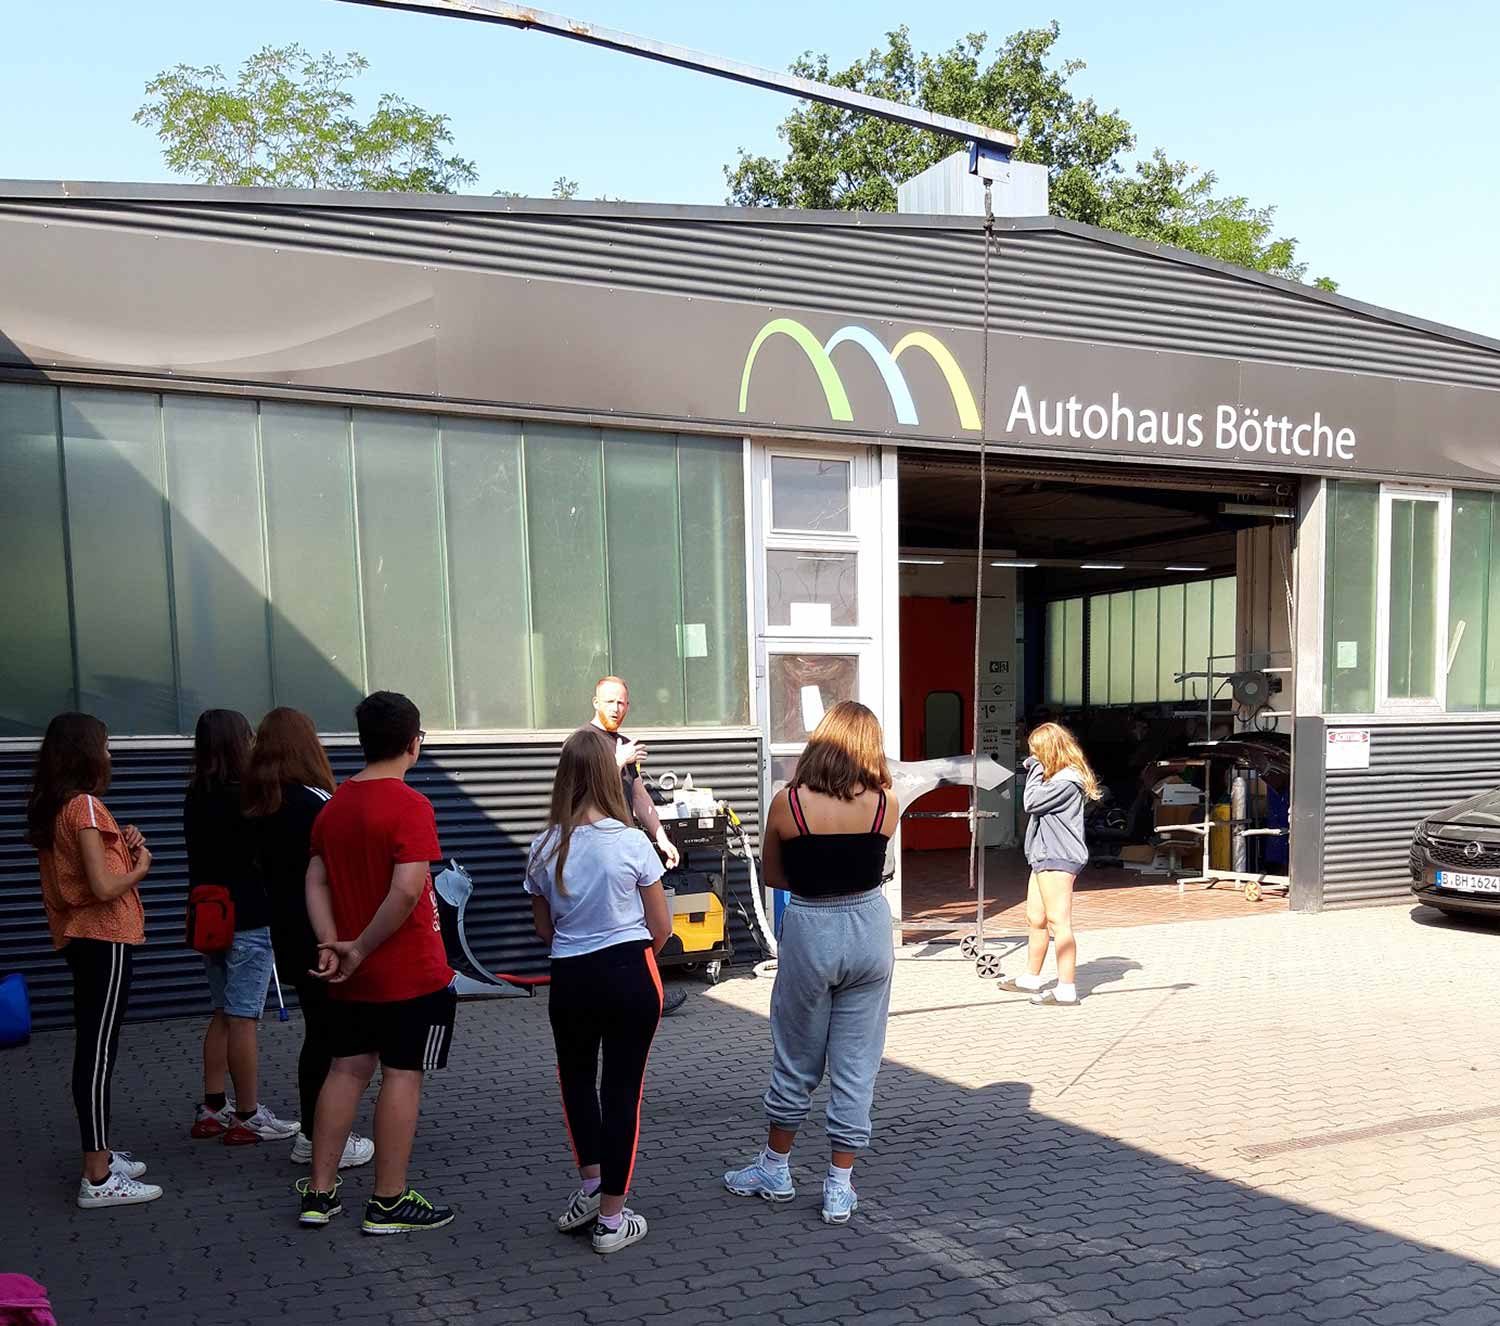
(825, 865)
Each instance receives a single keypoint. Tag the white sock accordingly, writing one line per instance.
(774, 1160)
(842, 1177)
(1065, 993)
(1026, 981)
(591, 1186)
(611, 1223)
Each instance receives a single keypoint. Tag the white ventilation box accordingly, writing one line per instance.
(947, 189)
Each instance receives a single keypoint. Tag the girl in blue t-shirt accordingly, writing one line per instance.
(597, 901)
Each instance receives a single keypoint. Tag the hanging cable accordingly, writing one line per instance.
(976, 857)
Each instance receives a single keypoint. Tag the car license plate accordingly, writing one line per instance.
(1457, 879)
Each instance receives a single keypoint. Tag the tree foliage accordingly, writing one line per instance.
(288, 119)
(839, 159)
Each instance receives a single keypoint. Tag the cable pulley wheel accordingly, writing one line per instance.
(987, 966)
(969, 946)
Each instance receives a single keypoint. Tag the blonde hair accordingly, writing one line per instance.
(587, 775)
(1056, 748)
(845, 751)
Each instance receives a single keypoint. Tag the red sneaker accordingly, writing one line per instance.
(211, 1123)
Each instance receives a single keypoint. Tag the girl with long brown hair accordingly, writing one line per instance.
(288, 780)
(597, 900)
(1058, 783)
(91, 871)
(825, 841)
(239, 977)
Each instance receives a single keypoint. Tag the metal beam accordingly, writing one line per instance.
(994, 141)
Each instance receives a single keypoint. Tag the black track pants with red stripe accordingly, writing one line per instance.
(101, 988)
(607, 1002)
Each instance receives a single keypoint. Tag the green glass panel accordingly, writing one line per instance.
(1073, 646)
(1225, 641)
(1170, 624)
(1399, 641)
(117, 534)
(401, 560)
(716, 640)
(1147, 610)
(565, 538)
(1098, 665)
(1349, 593)
(1197, 633)
(317, 648)
(1412, 643)
(1468, 600)
(218, 556)
(483, 502)
(36, 662)
(1057, 652)
(645, 573)
(1121, 647)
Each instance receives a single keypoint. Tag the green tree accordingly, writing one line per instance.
(289, 120)
(840, 159)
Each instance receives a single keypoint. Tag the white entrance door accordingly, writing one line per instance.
(825, 592)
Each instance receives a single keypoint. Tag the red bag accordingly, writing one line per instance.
(210, 918)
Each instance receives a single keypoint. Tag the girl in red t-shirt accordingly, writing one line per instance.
(90, 871)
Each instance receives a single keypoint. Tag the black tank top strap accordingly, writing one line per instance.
(797, 816)
(879, 823)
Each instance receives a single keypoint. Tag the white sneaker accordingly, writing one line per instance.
(632, 1230)
(582, 1207)
(262, 1126)
(122, 1162)
(357, 1151)
(839, 1202)
(117, 1190)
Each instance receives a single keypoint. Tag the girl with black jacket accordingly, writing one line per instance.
(218, 852)
(287, 782)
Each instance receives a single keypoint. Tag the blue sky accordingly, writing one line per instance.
(1367, 124)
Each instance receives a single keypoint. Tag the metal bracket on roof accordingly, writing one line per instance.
(996, 142)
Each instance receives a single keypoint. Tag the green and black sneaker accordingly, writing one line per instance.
(318, 1208)
(405, 1214)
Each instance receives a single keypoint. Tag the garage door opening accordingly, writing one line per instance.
(1149, 610)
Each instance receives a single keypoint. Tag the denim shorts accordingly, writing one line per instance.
(239, 977)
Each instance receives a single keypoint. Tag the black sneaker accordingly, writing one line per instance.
(405, 1215)
(318, 1208)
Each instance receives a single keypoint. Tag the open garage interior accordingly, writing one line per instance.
(1148, 609)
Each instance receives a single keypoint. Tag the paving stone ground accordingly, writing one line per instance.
(1281, 1118)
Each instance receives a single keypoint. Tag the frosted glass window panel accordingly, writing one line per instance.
(1492, 622)
(1121, 647)
(1057, 656)
(811, 591)
(1349, 596)
(401, 560)
(1198, 639)
(489, 612)
(565, 536)
(645, 573)
(317, 649)
(804, 687)
(808, 493)
(218, 556)
(1171, 605)
(117, 533)
(1099, 646)
(1225, 644)
(36, 662)
(1411, 644)
(1468, 600)
(1073, 646)
(716, 645)
(1147, 607)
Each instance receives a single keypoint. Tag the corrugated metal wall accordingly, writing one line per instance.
(1369, 815)
(1054, 278)
(491, 800)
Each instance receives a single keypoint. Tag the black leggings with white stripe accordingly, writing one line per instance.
(101, 989)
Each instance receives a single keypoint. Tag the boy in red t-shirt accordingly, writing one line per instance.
(380, 948)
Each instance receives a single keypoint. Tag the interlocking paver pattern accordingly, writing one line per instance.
(1127, 1161)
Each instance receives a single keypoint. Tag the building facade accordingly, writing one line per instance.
(263, 447)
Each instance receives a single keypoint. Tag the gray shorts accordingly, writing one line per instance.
(1052, 863)
(239, 977)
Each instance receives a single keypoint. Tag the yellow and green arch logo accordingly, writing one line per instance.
(820, 356)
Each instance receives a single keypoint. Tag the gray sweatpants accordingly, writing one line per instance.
(828, 1009)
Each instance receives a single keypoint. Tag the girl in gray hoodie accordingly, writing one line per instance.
(1058, 782)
